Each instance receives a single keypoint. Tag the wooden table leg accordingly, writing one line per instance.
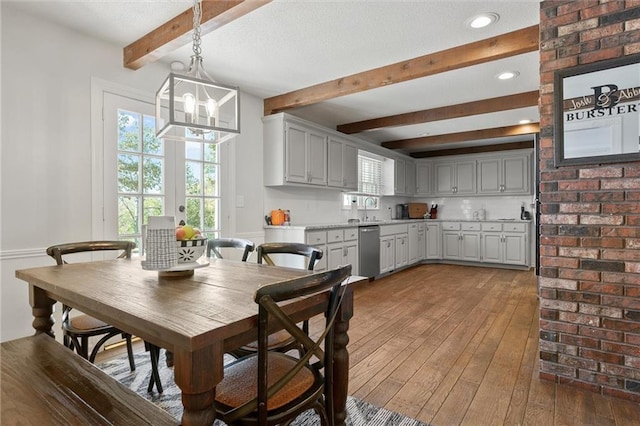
(341, 359)
(197, 374)
(42, 308)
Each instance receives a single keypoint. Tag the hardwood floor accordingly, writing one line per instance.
(457, 345)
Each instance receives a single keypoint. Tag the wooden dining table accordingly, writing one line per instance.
(197, 317)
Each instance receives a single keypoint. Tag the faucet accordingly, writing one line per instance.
(365, 208)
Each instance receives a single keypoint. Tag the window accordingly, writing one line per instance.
(141, 173)
(202, 187)
(370, 182)
(146, 176)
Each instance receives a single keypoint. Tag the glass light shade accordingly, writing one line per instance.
(191, 108)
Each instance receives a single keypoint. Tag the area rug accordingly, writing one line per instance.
(358, 412)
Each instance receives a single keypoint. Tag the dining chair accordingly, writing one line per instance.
(281, 341)
(271, 387)
(267, 249)
(77, 329)
(214, 245)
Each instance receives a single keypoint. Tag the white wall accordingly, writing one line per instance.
(46, 148)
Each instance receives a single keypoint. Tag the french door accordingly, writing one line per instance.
(146, 176)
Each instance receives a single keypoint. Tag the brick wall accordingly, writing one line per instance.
(590, 220)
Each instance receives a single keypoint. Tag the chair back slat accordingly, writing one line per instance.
(58, 251)
(213, 246)
(311, 252)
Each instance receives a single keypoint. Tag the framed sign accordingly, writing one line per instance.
(597, 112)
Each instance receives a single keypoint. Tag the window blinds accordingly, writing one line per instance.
(369, 175)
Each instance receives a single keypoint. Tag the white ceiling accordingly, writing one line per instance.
(291, 44)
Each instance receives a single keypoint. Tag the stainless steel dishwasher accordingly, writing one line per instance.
(369, 252)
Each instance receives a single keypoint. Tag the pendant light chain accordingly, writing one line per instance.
(197, 15)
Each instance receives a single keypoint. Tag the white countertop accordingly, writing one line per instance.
(384, 222)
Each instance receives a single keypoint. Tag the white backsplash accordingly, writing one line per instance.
(307, 206)
(506, 207)
(310, 206)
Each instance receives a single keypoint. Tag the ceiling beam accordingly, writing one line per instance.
(473, 149)
(473, 135)
(484, 106)
(491, 49)
(176, 32)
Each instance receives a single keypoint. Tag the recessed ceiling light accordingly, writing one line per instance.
(507, 75)
(482, 20)
(524, 121)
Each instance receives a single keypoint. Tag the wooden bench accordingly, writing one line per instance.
(45, 383)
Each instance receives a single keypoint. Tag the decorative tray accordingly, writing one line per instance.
(187, 266)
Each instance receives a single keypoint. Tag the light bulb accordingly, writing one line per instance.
(212, 107)
(189, 103)
(212, 111)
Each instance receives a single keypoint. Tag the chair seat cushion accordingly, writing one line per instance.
(240, 382)
(86, 322)
(276, 340)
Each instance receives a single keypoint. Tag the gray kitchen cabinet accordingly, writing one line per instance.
(387, 253)
(394, 247)
(415, 241)
(339, 245)
(455, 178)
(318, 239)
(461, 241)
(424, 178)
(410, 177)
(342, 164)
(402, 250)
(342, 248)
(505, 243)
(400, 178)
(505, 175)
(295, 152)
(433, 241)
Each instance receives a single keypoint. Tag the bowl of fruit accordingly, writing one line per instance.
(190, 242)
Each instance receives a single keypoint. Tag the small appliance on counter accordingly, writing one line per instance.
(402, 211)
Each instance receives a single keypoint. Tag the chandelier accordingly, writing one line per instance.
(193, 107)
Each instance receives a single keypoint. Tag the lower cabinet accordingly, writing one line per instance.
(342, 248)
(394, 247)
(461, 241)
(433, 241)
(416, 242)
(402, 250)
(505, 243)
(387, 253)
(421, 242)
(339, 245)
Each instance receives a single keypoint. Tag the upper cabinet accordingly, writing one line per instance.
(297, 153)
(455, 178)
(403, 173)
(342, 164)
(505, 175)
(400, 177)
(306, 155)
(424, 178)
